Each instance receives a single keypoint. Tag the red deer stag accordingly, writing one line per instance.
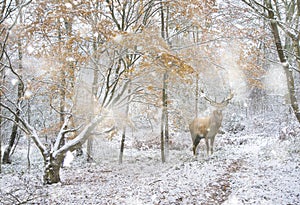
(208, 127)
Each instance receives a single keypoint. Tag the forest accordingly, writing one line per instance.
(149, 102)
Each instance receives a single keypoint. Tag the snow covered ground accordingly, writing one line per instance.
(245, 169)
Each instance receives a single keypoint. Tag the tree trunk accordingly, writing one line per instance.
(89, 149)
(28, 154)
(52, 173)
(0, 149)
(93, 97)
(52, 169)
(28, 140)
(283, 60)
(7, 153)
(162, 141)
(53, 160)
(122, 146)
(164, 120)
(124, 128)
(13, 136)
(1, 83)
(14, 132)
(197, 95)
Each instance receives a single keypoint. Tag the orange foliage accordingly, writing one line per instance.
(176, 64)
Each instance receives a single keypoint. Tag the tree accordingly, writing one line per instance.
(283, 18)
(53, 156)
(135, 17)
(95, 59)
(20, 92)
(111, 73)
(53, 151)
(10, 10)
(164, 129)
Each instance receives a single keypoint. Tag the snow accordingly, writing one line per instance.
(30, 49)
(68, 159)
(246, 169)
(14, 81)
(70, 59)
(285, 64)
(28, 94)
(275, 81)
(234, 74)
(84, 30)
(68, 5)
(118, 38)
(233, 200)
(256, 163)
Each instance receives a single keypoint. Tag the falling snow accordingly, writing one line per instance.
(14, 81)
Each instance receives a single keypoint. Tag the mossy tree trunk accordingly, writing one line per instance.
(52, 168)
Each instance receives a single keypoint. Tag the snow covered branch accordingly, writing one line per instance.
(61, 133)
(15, 115)
(36, 138)
(80, 139)
(25, 127)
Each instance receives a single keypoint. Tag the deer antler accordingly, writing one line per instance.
(214, 103)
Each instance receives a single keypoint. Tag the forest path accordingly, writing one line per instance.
(220, 190)
(243, 169)
(251, 169)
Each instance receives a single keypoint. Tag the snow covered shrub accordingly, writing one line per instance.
(235, 124)
(21, 189)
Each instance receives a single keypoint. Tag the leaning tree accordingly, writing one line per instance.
(283, 19)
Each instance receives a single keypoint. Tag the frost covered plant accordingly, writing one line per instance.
(54, 155)
(23, 190)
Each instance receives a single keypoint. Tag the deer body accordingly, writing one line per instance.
(206, 128)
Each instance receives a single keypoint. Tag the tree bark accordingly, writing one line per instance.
(162, 141)
(283, 60)
(124, 128)
(89, 149)
(14, 132)
(0, 148)
(6, 155)
(197, 94)
(0, 145)
(52, 169)
(165, 110)
(28, 141)
(122, 146)
(164, 118)
(164, 122)
(93, 97)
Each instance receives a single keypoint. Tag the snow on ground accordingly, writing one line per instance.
(250, 169)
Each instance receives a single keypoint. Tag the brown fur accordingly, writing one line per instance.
(206, 128)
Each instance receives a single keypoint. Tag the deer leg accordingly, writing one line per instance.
(212, 145)
(207, 145)
(194, 150)
(195, 144)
